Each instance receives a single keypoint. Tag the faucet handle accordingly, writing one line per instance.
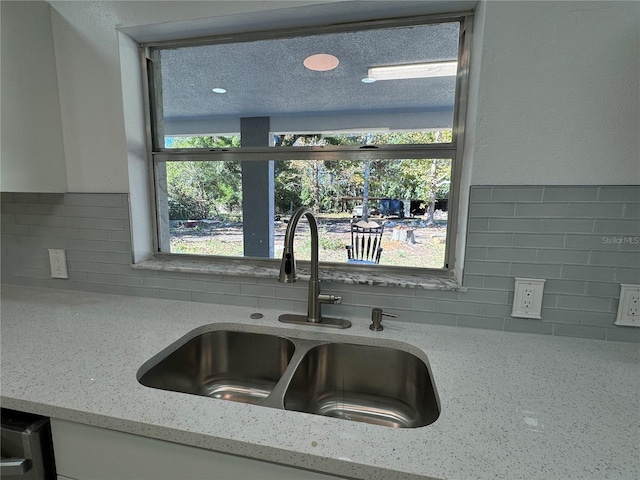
(329, 298)
(376, 319)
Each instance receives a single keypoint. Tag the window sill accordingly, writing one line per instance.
(334, 273)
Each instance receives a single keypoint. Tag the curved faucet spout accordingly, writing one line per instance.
(288, 264)
(288, 271)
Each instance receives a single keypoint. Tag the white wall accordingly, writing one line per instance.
(559, 94)
(88, 64)
(558, 90)
(31, 153)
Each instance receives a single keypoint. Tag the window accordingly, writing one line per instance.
(360, 122)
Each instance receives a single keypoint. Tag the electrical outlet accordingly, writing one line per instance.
(58, 262)
(528, 294)
(629, 306)
(527, 298)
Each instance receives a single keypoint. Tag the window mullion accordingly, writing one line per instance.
(306, 153)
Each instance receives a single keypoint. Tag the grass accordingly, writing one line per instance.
(427, 252)
(431, 256)
(207, 246)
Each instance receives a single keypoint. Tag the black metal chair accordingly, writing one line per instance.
(366, 243)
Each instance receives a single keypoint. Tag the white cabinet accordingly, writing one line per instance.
(32, 150)
(83, 452)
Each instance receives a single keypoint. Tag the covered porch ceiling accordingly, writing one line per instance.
(267, 78)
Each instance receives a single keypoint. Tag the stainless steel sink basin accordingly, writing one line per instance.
(378, 385)
(294, 371)
(238, 366)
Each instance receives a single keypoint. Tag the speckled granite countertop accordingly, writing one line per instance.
(269, 268)
(514, 406)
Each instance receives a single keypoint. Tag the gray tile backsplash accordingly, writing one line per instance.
(582, 240)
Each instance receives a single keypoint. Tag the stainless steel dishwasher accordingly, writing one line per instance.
(27, 450)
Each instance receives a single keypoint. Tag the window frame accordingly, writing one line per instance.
(158, 155)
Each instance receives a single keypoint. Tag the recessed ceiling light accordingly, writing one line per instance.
(218, 90)
(321, 62)
(414, 70)
(368, 80)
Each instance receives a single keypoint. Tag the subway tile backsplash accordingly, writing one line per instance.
(583, 240)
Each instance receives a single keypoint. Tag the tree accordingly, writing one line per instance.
(198, 190)
(205, 189)
(419, 179)
(313, 184)
(365, 191)
(425, 179)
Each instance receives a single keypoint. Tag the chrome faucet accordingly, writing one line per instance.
(288, 274)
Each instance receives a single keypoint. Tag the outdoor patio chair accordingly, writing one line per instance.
(366, 243)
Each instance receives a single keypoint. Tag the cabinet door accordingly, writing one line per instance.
(83, 452)
(32, 149)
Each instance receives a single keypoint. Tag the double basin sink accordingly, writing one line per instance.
(379, 385)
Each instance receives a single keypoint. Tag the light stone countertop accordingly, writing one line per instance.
(514, 406)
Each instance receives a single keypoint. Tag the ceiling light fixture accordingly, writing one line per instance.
(321, 62)
(414, 70)
(218, 90)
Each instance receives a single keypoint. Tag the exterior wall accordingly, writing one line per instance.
(583, 240)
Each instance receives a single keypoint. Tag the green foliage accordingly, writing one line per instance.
(203, 142)
(199, 190)
(328, 242)
(287, 187)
